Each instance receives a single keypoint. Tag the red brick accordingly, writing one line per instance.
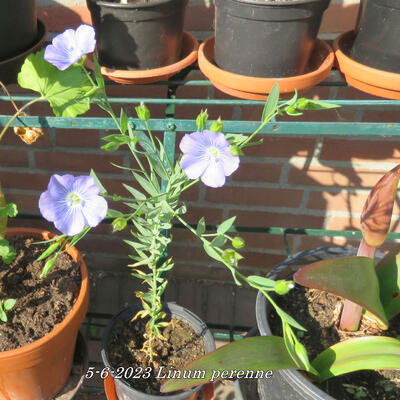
(58, 18)
(354, 150)
(312, 242)
(199, 18)
(268, 219)
(21, 180)
(263, 261)
(77, 138)
(27, 203)
(274, 146)
(212, 215)
(10, 138)
(381, 116)
(343, 201)
(337, 177)
(13, 158)
(339, 18)
(251, 196)
(57, 161)
(252, 172)
(342, 223)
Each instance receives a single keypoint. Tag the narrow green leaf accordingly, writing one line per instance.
(219, 241)
(97, 182)
(353, 278)
(3, 316)
(97, 73)
(211, 252)
(308, 104)
(123, 120)
(49, 251)
(9, 304)
(271, 103)
(259, 282)
(225, 226)
(146, 185)
(134, 192)
(370, 352)
(262, 353)
(48, 267)
(201, 227)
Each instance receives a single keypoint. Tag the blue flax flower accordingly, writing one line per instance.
(72, 203)
(207, 155)
(68, 47)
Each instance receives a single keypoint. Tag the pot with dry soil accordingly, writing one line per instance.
(38, 341)
(186, 338)
(319, 312)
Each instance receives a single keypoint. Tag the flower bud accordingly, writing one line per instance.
(201, 120)
(217, 126)
(238, 242)
(283, 287)
(119, 224)
(236, 150)
(142, 112)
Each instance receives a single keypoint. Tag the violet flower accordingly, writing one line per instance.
(68, 47)
(207, 155)
(72, 203)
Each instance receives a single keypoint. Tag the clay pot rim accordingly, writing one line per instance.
(77, 257)
(272, 3)
(254, 85)
(368, 76)
(190, 47)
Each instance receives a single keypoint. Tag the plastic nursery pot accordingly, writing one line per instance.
(377, 42)
(266, 38)
(39, 370)
(10, 67)
(138, 35)
(290, 384)
(18, 27)
(370, 80)
(125, 391)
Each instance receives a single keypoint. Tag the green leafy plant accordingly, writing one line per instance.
(59, 75)
(6, 305)
(373, 289)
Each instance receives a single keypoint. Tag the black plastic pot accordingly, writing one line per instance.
(127, 392)
(10, 68)
(18, 27)
(290, 384)
(377, 42)
(266, 38)
(138, 35)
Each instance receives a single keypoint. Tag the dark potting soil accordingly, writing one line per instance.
(41, 303)
(319, 312)
(181, 345)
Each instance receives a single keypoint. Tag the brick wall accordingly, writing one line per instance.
(311, 182)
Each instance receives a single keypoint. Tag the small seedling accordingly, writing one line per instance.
(6, 305)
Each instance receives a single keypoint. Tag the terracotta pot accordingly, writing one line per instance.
(39, 370)
(370, 80)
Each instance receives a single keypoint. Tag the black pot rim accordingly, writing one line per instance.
(39, 38)
(272, 3)
(171, 306)
(151, 4)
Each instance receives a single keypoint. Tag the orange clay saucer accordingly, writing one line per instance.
(253, 88)
(190, 47)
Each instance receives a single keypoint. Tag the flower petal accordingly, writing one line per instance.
(48, 207)
(229, 161)
(194, 143)
(60, 58)
(85, 39)
(85, 186)
(94, 210)
(214, 175)
(72, 222)
(193, 166)
(60, 185)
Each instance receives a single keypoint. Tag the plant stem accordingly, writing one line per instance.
(3, 220)
(351, 313)
(19, 113)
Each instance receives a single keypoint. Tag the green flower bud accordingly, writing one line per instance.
(231, 257)
(283, 287)
(217, 125)
(201, 120)
(238, 242)
(142, 112)
(236, 150)
(119, 224)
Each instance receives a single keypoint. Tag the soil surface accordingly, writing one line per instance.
(319, 312)
(181, 346)
(41, 303)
